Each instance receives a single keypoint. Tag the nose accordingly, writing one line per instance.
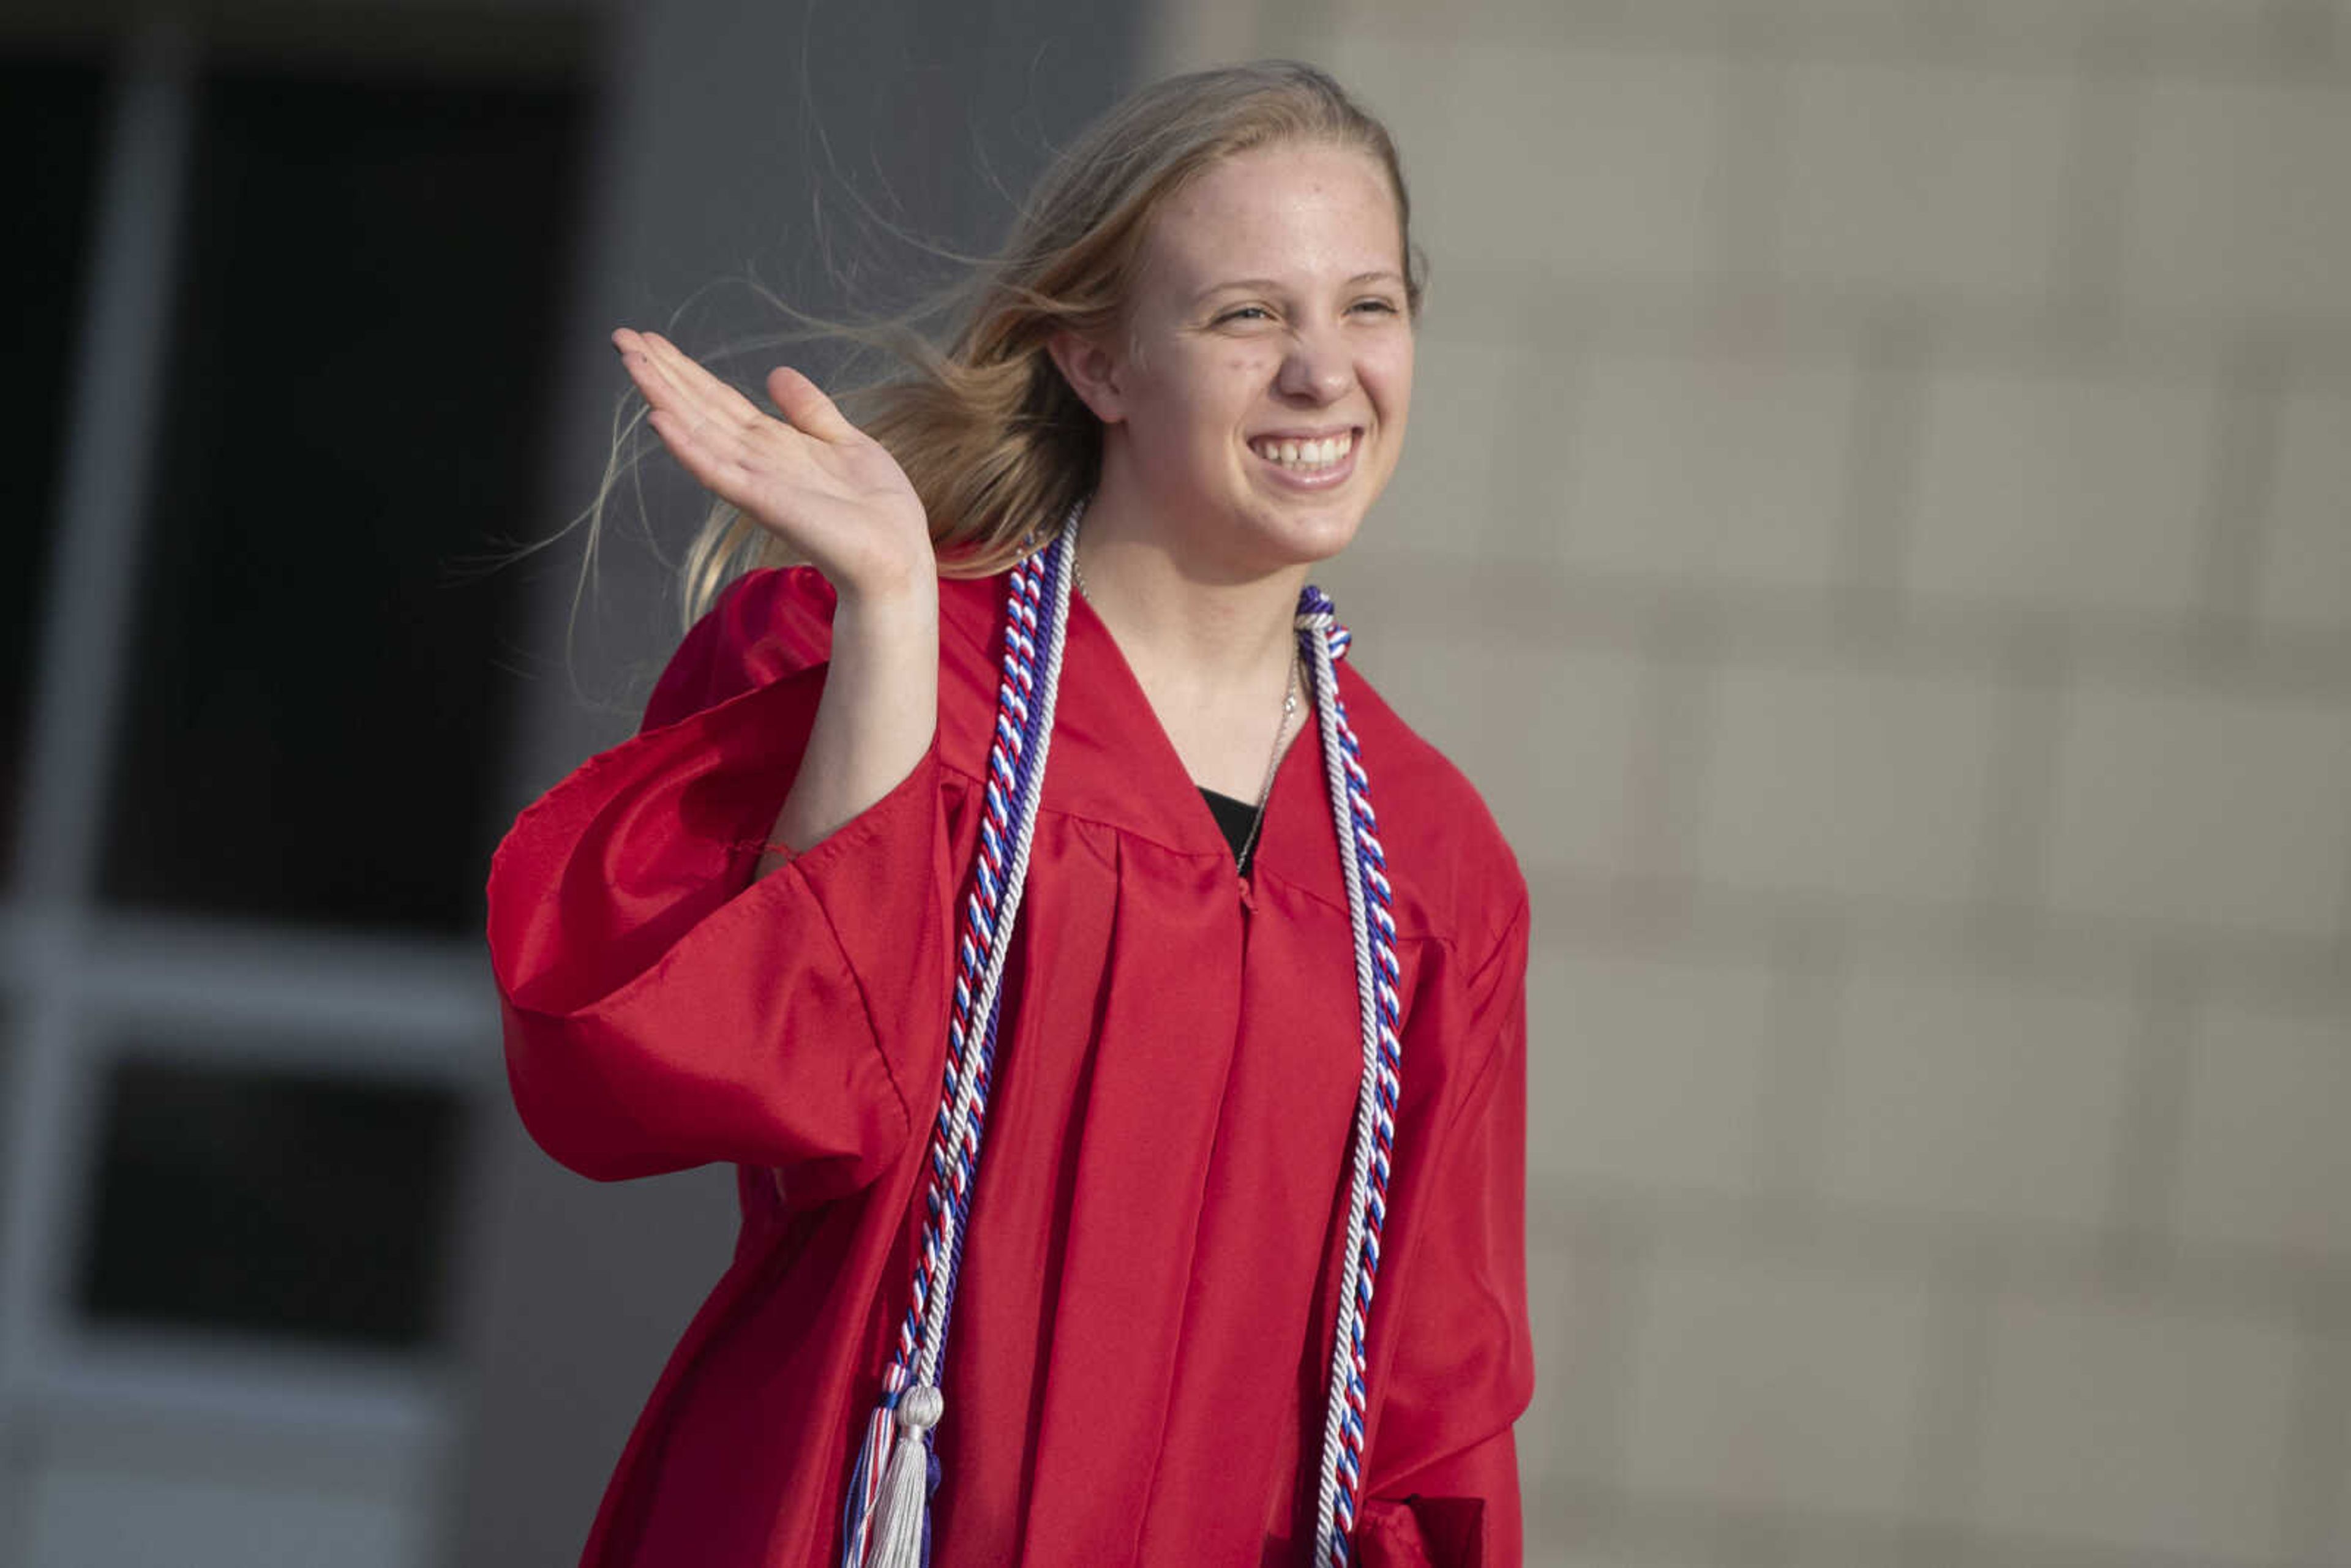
(1317, 368)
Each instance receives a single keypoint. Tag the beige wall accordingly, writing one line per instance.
(1878, 528)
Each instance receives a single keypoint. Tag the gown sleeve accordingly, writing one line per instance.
(662, 1008)
(1443, 1480)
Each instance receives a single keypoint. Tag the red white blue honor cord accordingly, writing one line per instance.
(885, 1517)
(1364, 865)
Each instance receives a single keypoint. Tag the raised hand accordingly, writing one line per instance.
(833, 494)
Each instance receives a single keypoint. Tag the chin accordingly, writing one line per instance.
(1293, 539)
(1305, 528)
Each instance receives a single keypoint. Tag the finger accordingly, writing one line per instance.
(735, 458)
(804, 404)
(718, 466)
(659, 384)
(652, 384)
(691, 387)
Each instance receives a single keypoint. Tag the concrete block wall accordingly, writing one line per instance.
(1877, 524)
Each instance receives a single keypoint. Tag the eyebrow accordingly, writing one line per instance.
(1274, 286)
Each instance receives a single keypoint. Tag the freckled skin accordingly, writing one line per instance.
(1319, 339)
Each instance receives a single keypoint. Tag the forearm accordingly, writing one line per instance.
(876, 718)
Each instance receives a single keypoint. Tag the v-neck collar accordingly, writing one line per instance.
(1111, 760)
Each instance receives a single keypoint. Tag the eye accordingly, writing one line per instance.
(1245, 313)
(1377, 305)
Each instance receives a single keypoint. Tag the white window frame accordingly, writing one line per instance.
(78, 980)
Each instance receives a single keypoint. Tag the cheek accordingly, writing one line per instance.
(1243, 371)
(1229, 386)
(1391, 378)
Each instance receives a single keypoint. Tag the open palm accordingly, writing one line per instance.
(831, 492)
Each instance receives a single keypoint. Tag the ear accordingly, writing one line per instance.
(1093, 372)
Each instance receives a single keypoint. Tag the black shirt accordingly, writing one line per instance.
(1236, 818)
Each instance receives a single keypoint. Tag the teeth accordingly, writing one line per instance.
(1320, 454)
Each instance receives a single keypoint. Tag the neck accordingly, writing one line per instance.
(1212, 649)
(1186, 626)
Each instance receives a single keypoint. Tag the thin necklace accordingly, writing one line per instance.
(1281, 734)
(1265, 791)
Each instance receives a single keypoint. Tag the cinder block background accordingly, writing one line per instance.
(1877, 522)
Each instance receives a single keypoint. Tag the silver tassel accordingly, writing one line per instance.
(897, 1539)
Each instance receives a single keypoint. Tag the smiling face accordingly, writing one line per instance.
(1255, 404)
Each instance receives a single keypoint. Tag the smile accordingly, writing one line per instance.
(1308, 455)
(1311, 464)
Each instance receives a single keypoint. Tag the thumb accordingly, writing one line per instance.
(804, 405)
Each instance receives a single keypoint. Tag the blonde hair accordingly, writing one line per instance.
(995, 443)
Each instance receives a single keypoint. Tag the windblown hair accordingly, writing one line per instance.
(995, 443)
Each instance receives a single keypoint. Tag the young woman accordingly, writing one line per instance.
(971, 888)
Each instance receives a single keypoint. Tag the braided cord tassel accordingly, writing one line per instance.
(1364, 866)
(884, 1521)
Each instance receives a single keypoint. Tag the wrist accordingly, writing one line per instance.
(886, 578)
(886, 627)
(890, 606)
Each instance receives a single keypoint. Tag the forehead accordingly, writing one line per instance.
(1303, 210)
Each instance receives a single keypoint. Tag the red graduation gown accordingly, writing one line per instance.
(1143, 1327)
